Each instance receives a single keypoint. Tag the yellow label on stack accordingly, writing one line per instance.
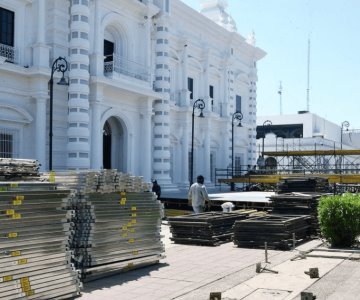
(124, 235)
(131, 241)
(17, 202)
(130, 265)
(130, 224)
(52, 177)
(3, 188)
(135, 252)
(123, 194)
(16, 216)
(7, 278)
(133, 208)
(24, 280)
(19, 197)
(14, 185)
(9, 212)
(123, 201)
(132, 230)
(30, 293)
(133, 214)
(133, 221)
(22, 261)
(12, 235)
(124, 228)
(15, 253)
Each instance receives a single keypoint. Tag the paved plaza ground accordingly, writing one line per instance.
(193, 272)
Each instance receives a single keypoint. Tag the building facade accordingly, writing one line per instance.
(134, 71)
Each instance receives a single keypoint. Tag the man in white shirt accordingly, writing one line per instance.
(198, 195)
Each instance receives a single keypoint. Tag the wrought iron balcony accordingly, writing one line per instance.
(126, 67)
(7, 53)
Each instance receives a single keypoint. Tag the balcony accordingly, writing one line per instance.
(123, 66)
(7, 54)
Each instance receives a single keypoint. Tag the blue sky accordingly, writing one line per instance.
(282, 29)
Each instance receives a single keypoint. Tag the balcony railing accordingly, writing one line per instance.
(7, 53)
(126, 67)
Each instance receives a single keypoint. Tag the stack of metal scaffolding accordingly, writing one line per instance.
(112, 230)
(278, 231)
(18, 168)
(303, 185)
(210, 228)
(34, 242)
(298, 204)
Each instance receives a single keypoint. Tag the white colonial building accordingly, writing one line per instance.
(135, 69)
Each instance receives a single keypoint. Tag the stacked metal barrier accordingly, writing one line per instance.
(211, 228)
(114, 230)
(303, 185)
(298, 204)
(18, 168)
(34, 242)
(278, 231)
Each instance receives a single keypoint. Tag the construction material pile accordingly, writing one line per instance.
(34, 241)
(303, 185)
(210, 228)
(113, 230)
(15, 169)
(278, 231)
(298, 204)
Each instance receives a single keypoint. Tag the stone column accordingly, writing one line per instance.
(40, 127)
(40, 49)
(145, 135)
(161, 154)
(97, 57)
(185, 142)
(184, 93)
(78, 147)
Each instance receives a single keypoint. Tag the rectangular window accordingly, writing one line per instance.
(191, 87)
(238, 103)
(6, 27)
(6, 145)
(211, 91)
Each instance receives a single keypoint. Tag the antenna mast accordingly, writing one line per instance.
(308, 79)
(280, 96)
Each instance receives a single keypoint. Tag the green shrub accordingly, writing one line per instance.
(339, 218)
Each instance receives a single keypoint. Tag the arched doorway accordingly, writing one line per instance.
(107, 146)
(114, 145)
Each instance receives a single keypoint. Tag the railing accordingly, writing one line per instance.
(7, 53)
(332, 169)
(127, 67)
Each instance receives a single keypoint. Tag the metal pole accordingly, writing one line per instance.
(199, 103)
(60, 65)
(51, 82)
(192, 147)
(232, 184)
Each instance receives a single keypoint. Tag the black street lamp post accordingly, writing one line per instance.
(200, 104)
(236, 116)
(59, 65)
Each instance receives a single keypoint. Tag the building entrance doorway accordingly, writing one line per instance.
(107, 146)
(114, 145)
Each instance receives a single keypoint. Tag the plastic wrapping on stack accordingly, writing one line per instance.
(278, 231)
(210, 228)
(116, 227)
(303, 185)
(11, 168)
(298, 204)
(34, 235)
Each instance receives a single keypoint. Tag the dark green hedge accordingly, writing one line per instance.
(339, 218)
